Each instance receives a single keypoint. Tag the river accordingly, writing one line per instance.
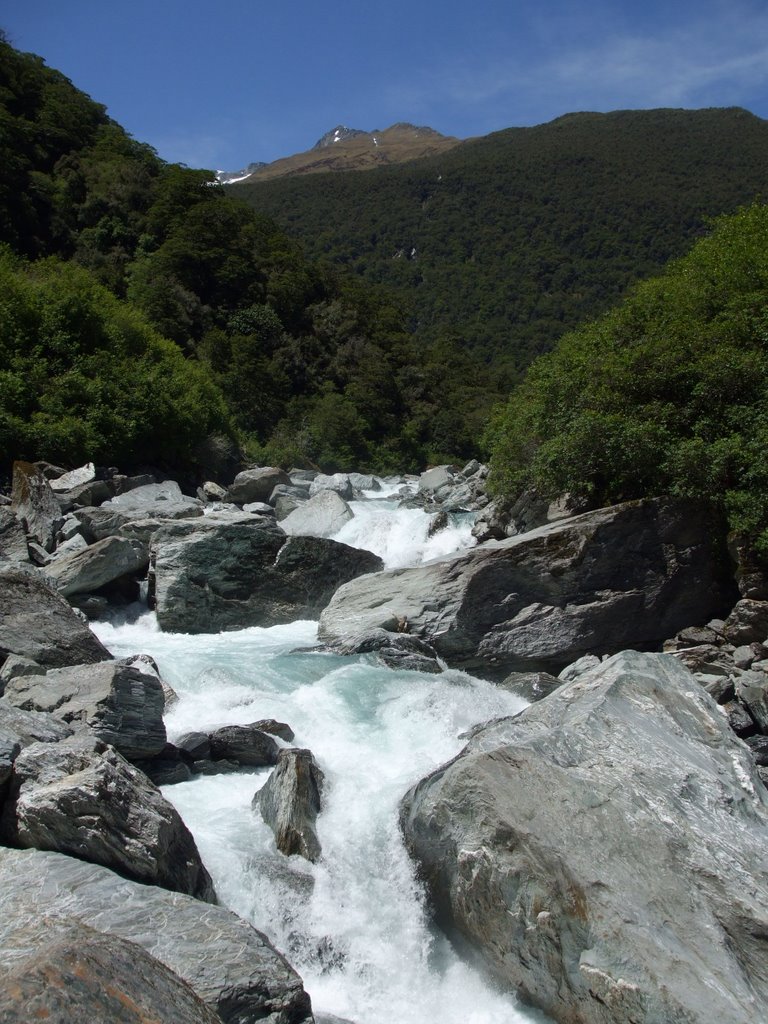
(355, 925)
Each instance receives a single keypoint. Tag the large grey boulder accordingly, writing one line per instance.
(243, 744)
(148, 497)
(121, 702)
(321, 516)
(337, 482)
(625, 576)
(37, 623)
(606, 851)
(289, 802)
(35, 504)
(98, 564)
(231, 571)
(80, 797)
(256, 484)
(106, 521)
(229, 965)
(63, 971)
(74, 478)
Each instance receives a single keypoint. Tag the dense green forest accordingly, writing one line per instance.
(505, 242)
(149, 317)
(290, 358)
(668, 393)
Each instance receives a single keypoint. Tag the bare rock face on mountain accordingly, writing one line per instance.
(625, 576)
(64, 971)
(37, 623)
(232, 967)
(289, 803)
(606, 851)
(80, 797)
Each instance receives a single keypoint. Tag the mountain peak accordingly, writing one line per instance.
(338, 134)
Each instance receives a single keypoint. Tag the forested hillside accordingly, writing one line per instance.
(506, 241)
(154, 275)
(667, 394)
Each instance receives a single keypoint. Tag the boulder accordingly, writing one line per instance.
(80, 797)
(289, 803)
(243, 744)
(232, 571)
(630, 575)
(37, 623)
(92, 493)
(13, 537)
(605, 851)
(747, 623)
(15, 665)
(437, 477)
(64, 971)
(35, 504)
(337, 482)
(32, 726)
(74, 478)
(364, 482)
(148, 497)
(752, 690)
(100, 563)
(320, 516)
(121, 702)
(228, 964)
(256, 484)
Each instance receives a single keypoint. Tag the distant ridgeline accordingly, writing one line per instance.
(504, 242)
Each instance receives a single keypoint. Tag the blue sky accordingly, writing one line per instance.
(219, 85)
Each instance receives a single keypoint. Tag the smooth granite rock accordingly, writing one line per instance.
(38, 623)
(229, 965)
(80, 797)
(244, 744)
(629, 575)
(606, 851)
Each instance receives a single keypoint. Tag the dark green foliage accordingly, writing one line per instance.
(84, 377)
(509, 240)
(667, 393)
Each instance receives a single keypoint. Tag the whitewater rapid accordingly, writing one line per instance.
(354, 925)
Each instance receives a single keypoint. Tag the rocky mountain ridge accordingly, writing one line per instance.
(350, 149)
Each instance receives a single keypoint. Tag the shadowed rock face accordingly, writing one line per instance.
(606, 851)
(228, 964)
(619, 577)
(37, 623)
(230, 571)
(69, 972)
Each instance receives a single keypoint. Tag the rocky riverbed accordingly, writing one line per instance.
(602, 850)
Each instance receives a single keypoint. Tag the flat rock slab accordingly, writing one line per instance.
(625, 576)
(121, 702)
(607, 851)
(228, 964)
(37, 623)
(67, 972)
(80, 797)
